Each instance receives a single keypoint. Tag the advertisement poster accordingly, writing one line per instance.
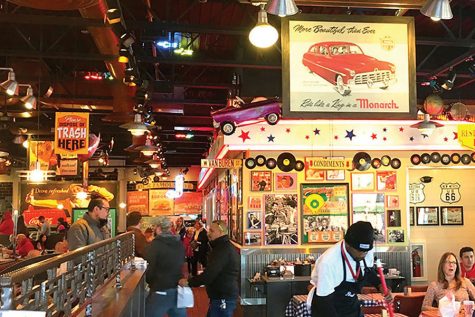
(43, 151)
(348, 66)
(189, 203)
(159, 203)
(138, 201)
(46, 199)
(71, 133)
(281, 219)
(325, 212)
(111, 219)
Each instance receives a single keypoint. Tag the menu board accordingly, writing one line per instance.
(159, 203)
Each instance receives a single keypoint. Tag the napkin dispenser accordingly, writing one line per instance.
(272, 271)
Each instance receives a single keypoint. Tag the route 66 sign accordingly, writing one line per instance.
(416, 193)
(450, 192)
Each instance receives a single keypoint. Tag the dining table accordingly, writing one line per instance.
(435, 313)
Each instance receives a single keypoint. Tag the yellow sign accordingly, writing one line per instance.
(328, 163)
(222, 163)
(466, 135)
(71, 133)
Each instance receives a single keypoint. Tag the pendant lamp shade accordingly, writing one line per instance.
(282, 8)
(437, 9)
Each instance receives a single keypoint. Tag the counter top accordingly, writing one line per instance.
(285, 279)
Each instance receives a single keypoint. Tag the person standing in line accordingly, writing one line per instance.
(340, 271)
(467, 269)
(133, 224)
(92, 227)
(180, 228)
(6, 226)
(43, 227)
(221, 274)
(200, 247)
(165, 259)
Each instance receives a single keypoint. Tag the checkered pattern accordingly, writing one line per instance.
(297, 306)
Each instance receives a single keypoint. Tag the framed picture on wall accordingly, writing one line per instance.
(252, 238)
(386, 180)
(370, 207)
(394, 218)
(254, 220)
(335, 175)
(285, 181)
(255, 202)
(451, 216)
(395, 235)
(261, 181)
(427, 216)
(280, 219)
(362, 181)
(418, 261)
(392, 201)
(411, 216)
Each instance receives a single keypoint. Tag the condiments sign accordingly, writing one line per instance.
(71, 134)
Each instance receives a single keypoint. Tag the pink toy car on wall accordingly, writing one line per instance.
(228, 118)
(344, 64)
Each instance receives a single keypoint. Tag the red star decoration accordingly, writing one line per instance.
(446, 139)
(456, 135)
(287, 130)
(401, 129)
(263, 129)
(336, 137)
(244, 136)
(374, 136)
(307, 137)
(385, 139)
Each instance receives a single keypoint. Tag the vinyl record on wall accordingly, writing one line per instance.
(445, 159)
(435, 157)
(250, 163)
(260, 160)
(386, 160)
(415, 159)
(473, 157)
(425, 158)
(299, 166)
(376, 163)
(455, 158)
(466, 159)
(395, 163)
(362, 161)
(286, 162)
(271, 163)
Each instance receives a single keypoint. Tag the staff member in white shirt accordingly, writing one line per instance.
(340, 271)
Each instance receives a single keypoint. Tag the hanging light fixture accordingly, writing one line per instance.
(282, 8)
(10, 86)
(437, 10)
(137, 127)
(148, 149)
(426, 127)
(449, 82)
(155, 162)
(28, 100)
(263, 34)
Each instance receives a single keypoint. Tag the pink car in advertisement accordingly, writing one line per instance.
(345, 65)
(228, 118)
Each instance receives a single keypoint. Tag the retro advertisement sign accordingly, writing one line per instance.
(138, 201)
(348, 67)
(71, 133)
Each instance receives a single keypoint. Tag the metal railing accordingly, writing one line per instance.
(66, 283)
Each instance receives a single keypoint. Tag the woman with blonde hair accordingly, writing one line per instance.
(449, 282)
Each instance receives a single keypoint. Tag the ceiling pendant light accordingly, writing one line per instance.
(10, 86)
(155, 162)
(148, 149)
(29, 100)
(437, 10)
(137, 127)
(426, 127)
(263, 34)
(282, 8)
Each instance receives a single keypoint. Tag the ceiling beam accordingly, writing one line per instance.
(56, 55)
(50, 20)
(380, 4)
(208, 62)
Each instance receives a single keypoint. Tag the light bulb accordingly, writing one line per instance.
(435, 19)
(81, 195)
(25, 144)
(148, 153)
(122, 205)
(263, 35)
(60, 206)
(137, 132)
(36, 175)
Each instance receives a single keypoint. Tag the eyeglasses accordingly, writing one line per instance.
(451, 262)
(106, 208)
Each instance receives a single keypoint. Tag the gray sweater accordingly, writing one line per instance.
(85, 231)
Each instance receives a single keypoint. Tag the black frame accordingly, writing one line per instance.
(411, 216)
(442, 217)
(427, 224)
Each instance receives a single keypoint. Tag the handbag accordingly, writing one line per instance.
(184, 297)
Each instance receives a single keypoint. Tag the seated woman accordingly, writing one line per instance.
(41, 243)
(448, 281)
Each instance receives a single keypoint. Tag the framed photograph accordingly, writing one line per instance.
(395, 235)
(370, 207)
(254, 220)
(261, 181)
(252, 238)
(394, 218)
(427, 216)
(386, 180)
(324, 212)
(451, 216)
(418, 261)
(255, 203)
(335, 175)
(280, 219)
(319, 78)
(313, 174)
(392, 201)
(285, 181)
(362, 181)
(411, 216)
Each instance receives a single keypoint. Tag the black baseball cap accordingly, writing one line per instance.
(360, 236)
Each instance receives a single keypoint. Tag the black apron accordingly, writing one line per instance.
(345, 297)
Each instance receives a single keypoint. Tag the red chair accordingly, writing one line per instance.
(419, 288)
(409, 305)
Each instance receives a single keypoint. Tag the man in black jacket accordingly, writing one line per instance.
(165, 258)
(221, 274)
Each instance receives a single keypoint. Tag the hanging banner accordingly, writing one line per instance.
(71, 133)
